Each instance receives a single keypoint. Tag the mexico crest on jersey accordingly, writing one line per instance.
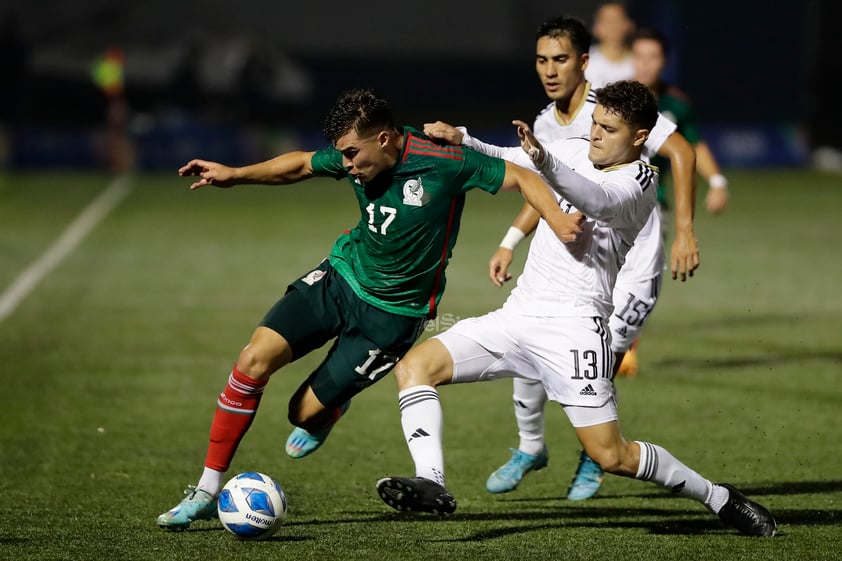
(412, 192)
(313, 277)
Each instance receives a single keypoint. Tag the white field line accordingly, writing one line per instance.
(68, 241)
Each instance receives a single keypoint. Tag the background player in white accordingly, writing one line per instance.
(561, 62)
(610, 55)
(552, 326)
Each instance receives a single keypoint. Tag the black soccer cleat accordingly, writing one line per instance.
(747, 516)
(416, 494)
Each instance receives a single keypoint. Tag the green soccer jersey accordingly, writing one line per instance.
(675, 105)
(395, 257)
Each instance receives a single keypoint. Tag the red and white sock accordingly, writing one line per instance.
(235, 410)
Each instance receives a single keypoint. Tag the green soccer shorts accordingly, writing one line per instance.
(321, 306)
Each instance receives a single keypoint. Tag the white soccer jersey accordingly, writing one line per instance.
(577, 278)
(646, 258)
(602, 71)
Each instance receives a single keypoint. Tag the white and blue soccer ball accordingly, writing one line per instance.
(252, 506)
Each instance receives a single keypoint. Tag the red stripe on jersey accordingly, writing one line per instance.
(424, 143)
(433, 153)
(425, 147)
(443, 262)
(417, 145)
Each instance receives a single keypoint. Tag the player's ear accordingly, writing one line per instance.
(640, 136)
(383, 138)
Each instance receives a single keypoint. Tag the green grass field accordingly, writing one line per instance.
(111, 368)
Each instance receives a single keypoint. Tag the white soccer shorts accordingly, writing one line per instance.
(570, 356)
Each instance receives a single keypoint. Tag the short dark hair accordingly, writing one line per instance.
(633, 101)
(653, 34)
(358, 110)
(567, 26)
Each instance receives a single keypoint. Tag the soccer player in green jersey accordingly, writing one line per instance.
(649, 57)
(373, 295)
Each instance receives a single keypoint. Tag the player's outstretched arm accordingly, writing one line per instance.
(285, 169)
(538, 194)
(602, 201)
(448, 134)
(684, 256)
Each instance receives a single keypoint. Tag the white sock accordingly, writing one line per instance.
(659, 466)
(719, 495)
(211, 481)
(421, 419)
(529, 398)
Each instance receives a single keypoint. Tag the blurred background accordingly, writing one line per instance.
(243, 81)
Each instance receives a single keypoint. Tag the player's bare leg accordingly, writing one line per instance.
(312, 420)
(589, 475)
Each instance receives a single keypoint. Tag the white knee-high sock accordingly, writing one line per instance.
(421, 419)
(659, 466)
(529, 398)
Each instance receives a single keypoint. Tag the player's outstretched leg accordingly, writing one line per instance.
(733, 508)
(508, 476)
(747, 516)
(416, 494)
(301, 443)
(587, 480)
(197, 505)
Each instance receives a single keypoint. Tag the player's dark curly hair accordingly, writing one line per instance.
(358, 110)
(633, 101)
(567, 26)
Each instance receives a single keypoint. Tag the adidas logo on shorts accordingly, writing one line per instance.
(587, 390)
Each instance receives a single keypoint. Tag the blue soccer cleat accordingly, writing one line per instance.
(198, 505)
(509, 475)
(587, 480)
(302, 443)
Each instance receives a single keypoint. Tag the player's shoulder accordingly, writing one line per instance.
(569, 147)
(546, 112)
(590, 98)
(642, 173)
(418, 145)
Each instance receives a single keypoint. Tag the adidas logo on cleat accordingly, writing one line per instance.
(587, 390)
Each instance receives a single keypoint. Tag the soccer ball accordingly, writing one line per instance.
(252, 506)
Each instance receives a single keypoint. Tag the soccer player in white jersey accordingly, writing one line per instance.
(561, 61)
(610, 56)
(552, 328)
